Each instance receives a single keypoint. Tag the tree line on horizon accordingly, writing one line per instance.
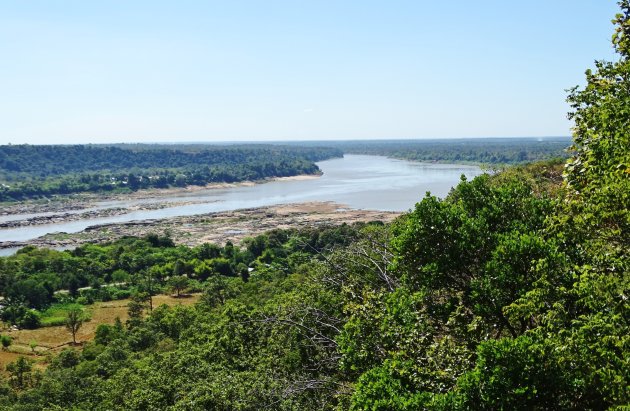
(492, 152)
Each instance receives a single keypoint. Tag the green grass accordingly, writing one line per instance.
(56, 314)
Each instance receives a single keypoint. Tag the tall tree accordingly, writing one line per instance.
(74, 321)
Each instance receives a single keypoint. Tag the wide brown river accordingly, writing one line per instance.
(358, 181)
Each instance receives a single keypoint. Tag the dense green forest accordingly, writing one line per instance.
(28, 171)
(44, 161)
(510, 293)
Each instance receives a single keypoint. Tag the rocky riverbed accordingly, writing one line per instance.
(52, 217)
(216, 227)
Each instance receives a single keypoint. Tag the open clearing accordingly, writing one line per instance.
(55, 339)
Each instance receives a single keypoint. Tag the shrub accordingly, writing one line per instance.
(29, 320)
(6, 341)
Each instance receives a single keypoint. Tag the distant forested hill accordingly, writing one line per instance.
(493, 151)
(33, 171)
(42, 161)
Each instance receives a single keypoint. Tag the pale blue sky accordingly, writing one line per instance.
(124, 71)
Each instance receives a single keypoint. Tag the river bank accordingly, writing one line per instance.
(64, 207)
(216, 227)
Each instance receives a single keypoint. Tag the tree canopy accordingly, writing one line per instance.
(36, 171)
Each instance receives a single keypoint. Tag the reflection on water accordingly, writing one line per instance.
(360, 182)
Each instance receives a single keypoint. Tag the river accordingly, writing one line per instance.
(358, 181)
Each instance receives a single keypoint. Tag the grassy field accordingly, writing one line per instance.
(57, 313)
(37, 344)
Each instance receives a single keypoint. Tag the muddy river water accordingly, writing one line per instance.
(357, 181)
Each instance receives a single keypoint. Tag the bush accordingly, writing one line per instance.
(105, 294)
(90, 296)
(5, 340)
(195, 286)
(67, 358)
(119, 294)
(106, 333)
(29, 320)
(21, 316)
(83, 300)
(120, 276)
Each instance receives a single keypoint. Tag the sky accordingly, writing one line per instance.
(174, 71)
